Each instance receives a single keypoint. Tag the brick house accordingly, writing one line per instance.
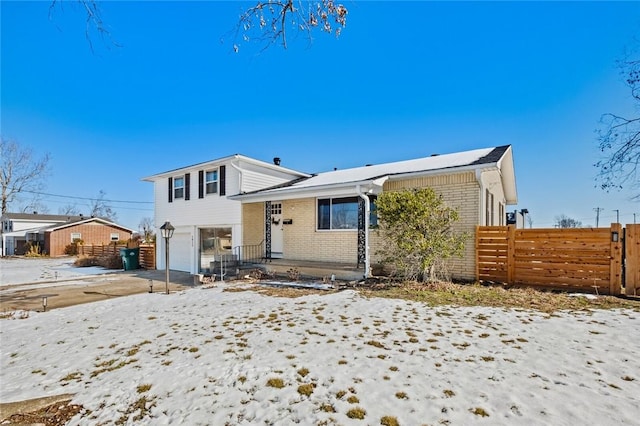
(92, 230)
(54, 232)
(328, 217)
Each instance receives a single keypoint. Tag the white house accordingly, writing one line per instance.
(20, 228)
(207, 224)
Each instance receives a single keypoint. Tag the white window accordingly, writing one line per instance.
(178, 187)
(211, 181)
(115, 236)
(76, 236)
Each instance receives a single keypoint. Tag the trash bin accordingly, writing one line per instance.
(130, 258)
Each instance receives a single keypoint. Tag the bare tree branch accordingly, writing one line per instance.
(19, 172)
(619, 139)
(270, 21)
(93, 20)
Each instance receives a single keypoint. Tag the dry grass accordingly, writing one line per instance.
(438, 294)
(444, 293)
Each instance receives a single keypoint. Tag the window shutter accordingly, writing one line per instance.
(170, 189)
(223, 180)
(201, 184)
(187, 186)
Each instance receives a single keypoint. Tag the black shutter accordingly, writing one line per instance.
(187, 186)
(170, 190)
(201, 184)
(223, 180)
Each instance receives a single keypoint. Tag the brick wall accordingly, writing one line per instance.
(91, 233)
(252, 223)
(302, 241)
(460, 192)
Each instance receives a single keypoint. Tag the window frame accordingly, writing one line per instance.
(207, 182)
(117, 236)
(76, 236)
(330, 204)
(177, 187)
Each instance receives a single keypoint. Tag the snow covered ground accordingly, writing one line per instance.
(208, 357)
(25, 270)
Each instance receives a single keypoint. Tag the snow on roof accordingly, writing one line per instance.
(473, 158)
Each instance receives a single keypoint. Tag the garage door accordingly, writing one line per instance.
(180, 252)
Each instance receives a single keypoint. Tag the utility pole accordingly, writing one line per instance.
(598, 210)
(634, 218)
(617, 215)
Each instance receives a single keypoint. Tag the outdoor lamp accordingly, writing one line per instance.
(615, 237)
(166, 231)
(150, 286)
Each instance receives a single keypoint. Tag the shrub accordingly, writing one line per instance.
(85, 261)
(72, 249)
(32, 250)
(112, 261)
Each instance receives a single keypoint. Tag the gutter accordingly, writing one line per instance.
(367, 212)
(239, 173)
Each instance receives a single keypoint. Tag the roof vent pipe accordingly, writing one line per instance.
(276, 161)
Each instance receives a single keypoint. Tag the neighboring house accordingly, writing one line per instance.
(18, 228)
(329, 216)
(54, 232)
(92, 230)
(195, 200)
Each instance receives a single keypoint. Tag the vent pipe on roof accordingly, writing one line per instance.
(35, 212)
(276, 161)
(434, 155)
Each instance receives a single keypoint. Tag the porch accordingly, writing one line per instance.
(312, 269)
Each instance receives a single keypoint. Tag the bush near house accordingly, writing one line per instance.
(418, 234)
(111, 261)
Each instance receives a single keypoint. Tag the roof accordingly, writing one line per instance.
(376, 174)
(217, 161)
(42, 217)
(87, 220)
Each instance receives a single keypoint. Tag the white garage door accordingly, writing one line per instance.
(180, 252)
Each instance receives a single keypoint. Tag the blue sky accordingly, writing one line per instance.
(405, 80)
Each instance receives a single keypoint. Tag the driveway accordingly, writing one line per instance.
(25, 282)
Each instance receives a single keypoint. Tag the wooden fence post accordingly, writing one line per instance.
(632, 260)
(511, 254)
(615, 268)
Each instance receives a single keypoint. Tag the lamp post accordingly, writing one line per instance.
(167, 232)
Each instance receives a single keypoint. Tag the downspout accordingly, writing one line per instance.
(239, 176)
(482, 208)
(367, 212)
(239, 240)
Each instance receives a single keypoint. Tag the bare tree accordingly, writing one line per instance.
(268, 22)
(20, 172)
(69, 209)
(146, 226)
(99, 207)
(271, 21)
(619, 138)
(564, 221)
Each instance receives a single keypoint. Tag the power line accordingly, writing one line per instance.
(89, 199)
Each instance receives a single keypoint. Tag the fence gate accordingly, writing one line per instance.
(632, 260)
(584, 259)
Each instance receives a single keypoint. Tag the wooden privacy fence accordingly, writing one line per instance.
(146, 256)
(597, 260)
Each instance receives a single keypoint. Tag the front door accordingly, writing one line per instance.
(277, 232)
